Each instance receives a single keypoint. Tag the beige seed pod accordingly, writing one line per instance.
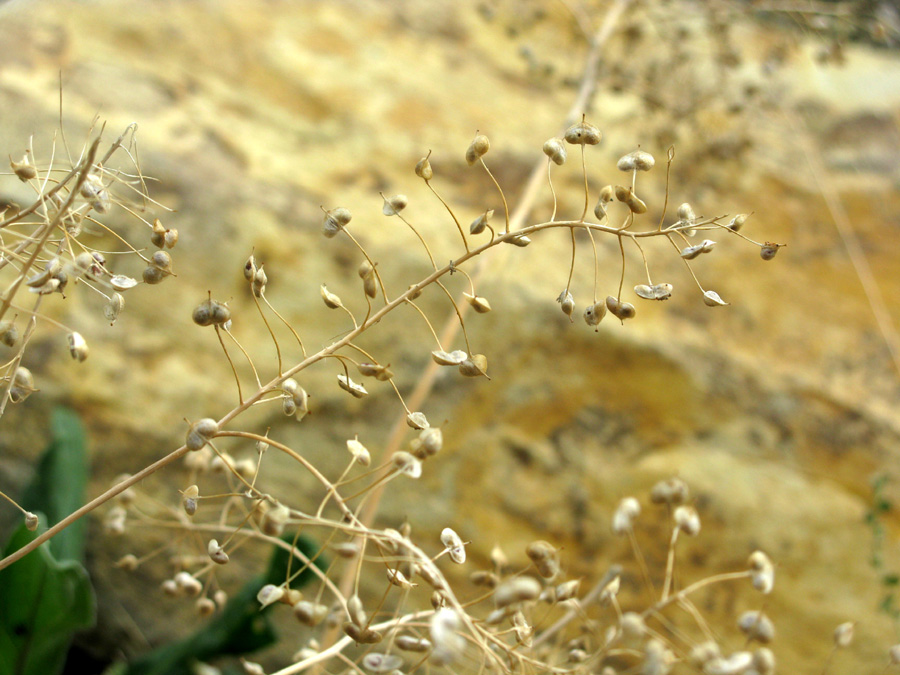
(556, 151)
(171, 238)
(621, 310)
(394, 205)
(366, 272)
(189, 499)
(201, 432)
(712, 299)
(567, 303)
(843, 635)
(423, 168)
(686, 214)
(762, 572)
(454, 545)
(113, 307)
(431, 440)
(269, 595)
(414, 292)
(363, 636)
(515, 590)
(119, 282)
(274, 520)
(484, 578)
(309, 613)
(24, 170)
(78, 347)
(687, 519)
(258, 285)
(479, 304)
(205, 607)
(22, 385)
(9, 334)
(737, 222)
(31, 521)
(672, 491)
(406, 463)
(153, 275)
(216, 553)
(335, 220)
(359, 451)
(545, 558)
(331, 300)
(477, 149)
(593, 314)
(623, 519)
(410, 643)
(474, 366)
(188, 584)
(453, 358)
(158, 234)
(481, 222)
(417, 421)
(757, 626)
(583, 133)
(127, 562)
(568, 590)
(769, 250)
(519, 240)
(211, 312)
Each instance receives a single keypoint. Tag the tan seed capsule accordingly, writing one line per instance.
(453, 358)
(479, 304)
(348, 385)
(481, 222)
(158, 234)
(593, 314)
(24, 170)
(189, 500)
(331, 300)
(515, 590)
(258, 285)
(9, 334)
(555, 150)
(477, 149)
(583, 133)
(22, 385)
(685, 213)
(205, 607)
(712, 299)
(738, 222)
(757, 626)
(687, 520)
(31, 521)
(113, 307)
(423, 168)
(78, 347)
(768, 250)
(474, 366)
(567, 303)
(153, 275)
(171, 238)
(216, 553)
(621, 310)
(394, 205)
(201, 432)
(843, 634)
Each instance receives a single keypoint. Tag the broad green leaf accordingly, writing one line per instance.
(59, 483)
(42, 602)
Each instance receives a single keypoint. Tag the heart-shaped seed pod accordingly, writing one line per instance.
(78, 347)
(331, 300)
(158, 234)
(335, 220)
(423, 168)
(737, 222)
(583, 133)
(556, 151)
(120, 282)
(479, 304)
(685, 213)
(621, 310)
(593, 314)
(655, 292)
(348, 385)
(687, 519)
(417, 421)
(477, 149)
(153, 275)
(394, 205)
(189, 499)
(474, 366)
(768, 250)
(626, 513)
(567, 303)
(216, 553)
(453, 358)
(9, 334)
(454, 545)
(258, 285)
(480, 223)
(712, 299)
(519, 240)
(200, 432)
(24, 170)
(360, 452)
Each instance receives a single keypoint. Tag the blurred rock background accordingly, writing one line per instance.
(777, 410)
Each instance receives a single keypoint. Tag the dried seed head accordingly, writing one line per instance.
(448, 643)
(607, 194)
(631, 200)
(843, 635)
(423, 168)
(417, 421)
(189, 500)
(626, 513)
(519, 240)
(593, 314)
(381, 663)
(655, 292)
(453, 358)
(200, 432)
(216, 553)
(363, 636)
(583, 133)
(737, 222)
(211, 312)
(78, 347)
(453, 545)
(431, 440)
(621, 310)
(22, 385)
(474, 366)
(686, 214)
(188, 584)
(335, 220)
(687, 520)
(258, 285)
(567, 302)
(515, 590)
(113, 307)
(274, 520)
(331, 300)
(9, 334)
(545, 558)
(153, 275)
(568, 590)
(309, 613)
(410, 643)
(633, 625)
(119, 282)
(366, 272)
(31, 521)
(480, 223)
(762, 572)
(479, 304)
(757, 626)
(477, 149)
(158, 234)
(406, 463)
(394, 205)
(703, 653)
(556, 151)
(712, 299)
(171, 238)
(269, 594)
(768, 250)
(672, 491)
(24, 170)
(359, 451)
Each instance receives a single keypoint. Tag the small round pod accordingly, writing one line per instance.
(394, 205)
(335, 221)
(477, 149)
(9, 334)
(479, 304)
(567, 303)
(713, 299)
(453, 358)
(769, 250)
(200, 433)
(556, 151)
(78, 347)
(593, 314)
(158, 234)
(474, 366)
(331, 300)
(687, 519)
(620, 310)
(583, 133)
(481, 222)
(655, 292)
(24, 170)
(423, 168)
(736, 223)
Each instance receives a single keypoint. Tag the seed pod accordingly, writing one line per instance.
(737, 222)
(454, 545)
(31, 521)
(639, 160)
(22, 385)
(610, 591)
(366, 272)
(331, 300)
(687, 520)
(414, 292)
(335, 220)
(411, 643)
(258, 285)
(423, 168)
(621, 310)
(189, 499)
(158, 234)
(626, 513)
(672, 491)
(162, 261)
(556, 151)
(568, 590)
(113, 307)
(24, 170)
(712, 299)
(359, 451)
(119, 282)
(216, 553)
(448, 643)
(593, 314)
(432, 440)
(309, 613)
(685, 214)
(394, 205)
(515, 590)
(477, 149)
(205, 607)
(519, 240)
(269, 594)
(484, 578)
(406, 463)
(691, 252)
(348, 385)
(655, 292)
(188, 584)
(453, 358)
(757, 626)
(768, 250)
(171, 238)
(78, 347)
(201, 432)
(474, 366)
(545, 558)
(9, 334)
(567, 302)
(762, 572)
(583, 133)
(631, 200)
(479, 304)
(44, 276)
(480, 223)
(381, 663)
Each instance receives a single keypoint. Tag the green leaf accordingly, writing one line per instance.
(42, 602)
(58, 486)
